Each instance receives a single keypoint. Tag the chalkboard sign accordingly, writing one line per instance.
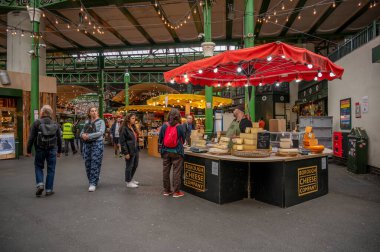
(263, 140)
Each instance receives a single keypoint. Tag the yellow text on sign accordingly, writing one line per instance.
(194, 176)
(307, 180)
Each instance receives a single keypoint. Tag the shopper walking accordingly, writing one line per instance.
(45, 135)
(78, 140)
(68, 136)
(92, 135)
(172, 139)
(129, 136)
(115, 133)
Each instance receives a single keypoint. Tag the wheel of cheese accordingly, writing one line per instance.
(316, 148)
(288, 151)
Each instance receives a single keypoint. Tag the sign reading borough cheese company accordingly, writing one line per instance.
(307, 180)
(194, 176)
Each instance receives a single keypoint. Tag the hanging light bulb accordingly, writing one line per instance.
(185, 76)
(188, 17)
(274, 12)
(172, 81)
(200, 71)
(68, 26)
(276, 21)
(22, 34)
(310, 66)
(229, 84)
(298, 80)
(246, 84)
(287, 19)
(200, 3)
(319, 74)
(56, 21)
(260, 84)
(359, 4)
(332, 74)
(155, 3)
(218, 85)
(334, 4)
(89, 22)
(85, 17)
(283, 6)
(239, 69)
(159, 12)
(299, 16)
(195, 11)
(215, 70)
(81, 8)
(185, 21)
(162, 18)
(94, 27)
(269, 58)
(77, 29)
(283, 56)
(314, 11)
(43, 15)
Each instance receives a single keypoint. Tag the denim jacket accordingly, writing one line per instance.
(100, 130)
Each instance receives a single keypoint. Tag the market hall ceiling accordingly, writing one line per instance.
(139, 23)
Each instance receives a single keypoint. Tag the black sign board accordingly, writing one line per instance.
(263, 140)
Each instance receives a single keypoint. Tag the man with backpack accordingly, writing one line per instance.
(45, 135)
(171, 139)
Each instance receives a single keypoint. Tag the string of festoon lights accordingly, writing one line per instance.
(177, 24)
(86, 24)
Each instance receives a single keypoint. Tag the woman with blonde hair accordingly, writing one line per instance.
(129, 135)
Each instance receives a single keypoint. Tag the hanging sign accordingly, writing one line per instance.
(358, 112)
(345, 114)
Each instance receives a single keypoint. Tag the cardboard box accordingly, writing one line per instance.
(277, 125)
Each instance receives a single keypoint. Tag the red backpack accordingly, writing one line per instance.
(171, 136)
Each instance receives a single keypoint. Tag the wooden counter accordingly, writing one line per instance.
(280, 181)
(153, 146)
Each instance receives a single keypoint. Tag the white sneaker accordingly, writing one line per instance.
(135, 182)
(131, 185)
(92, 188)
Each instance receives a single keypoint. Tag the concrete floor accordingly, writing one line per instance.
(115, 218)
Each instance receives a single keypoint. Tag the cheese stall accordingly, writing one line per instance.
(279, 168)
(249, 166)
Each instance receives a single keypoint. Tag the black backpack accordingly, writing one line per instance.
(47, 135)
(90, 127)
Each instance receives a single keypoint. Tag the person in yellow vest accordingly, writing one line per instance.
(68, 136)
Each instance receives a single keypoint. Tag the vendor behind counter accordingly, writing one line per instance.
(239, 124)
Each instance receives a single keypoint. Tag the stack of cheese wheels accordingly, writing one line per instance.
(221, 147)
(285, 148)
(310, 142)
(197, 139)
(248, 140)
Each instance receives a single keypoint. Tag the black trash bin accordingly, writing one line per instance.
(358, 151)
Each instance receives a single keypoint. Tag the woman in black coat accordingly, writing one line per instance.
(129, 148)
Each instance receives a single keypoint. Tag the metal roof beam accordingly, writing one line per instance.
(134, 21)
(196, 17)
(323, 18)
(55, 12)
(292, 18)
(263, 9)
(107, 26)
(354, 17)
(229, 21)
(171, 31)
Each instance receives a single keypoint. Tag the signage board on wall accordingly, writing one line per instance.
(194, 176)
(345, 114)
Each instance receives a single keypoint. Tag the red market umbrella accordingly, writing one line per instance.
(260, 65)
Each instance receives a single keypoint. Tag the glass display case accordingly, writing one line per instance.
(295, 139)
(8, 132)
